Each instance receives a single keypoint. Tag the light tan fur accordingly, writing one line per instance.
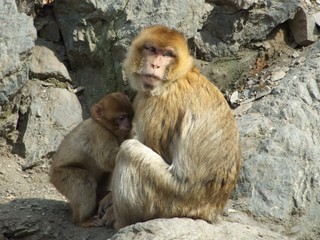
(85, 159)
(186, 157)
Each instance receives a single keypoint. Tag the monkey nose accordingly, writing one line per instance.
(155, 66)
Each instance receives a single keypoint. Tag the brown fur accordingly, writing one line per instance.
(85, 159)
(186, 159)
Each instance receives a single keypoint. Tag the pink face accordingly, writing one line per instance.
(155, 65)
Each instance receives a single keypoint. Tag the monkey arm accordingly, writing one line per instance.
(136, 159)
(142, 182)
(106, 157)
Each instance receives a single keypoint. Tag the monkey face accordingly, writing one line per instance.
(154, 66)
(123, 123)
(115, 113)
(156, 61)
(156, 57)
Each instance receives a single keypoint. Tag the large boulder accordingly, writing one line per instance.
(97, 34)
(45, 63)
(17, 35)
(280, 178)
(52, 114)
(16, 43)
(188, 229)
(234, 23)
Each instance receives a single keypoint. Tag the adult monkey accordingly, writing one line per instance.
(186, 159)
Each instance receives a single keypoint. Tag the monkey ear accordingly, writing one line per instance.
(96, 111)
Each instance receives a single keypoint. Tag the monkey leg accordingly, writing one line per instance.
(138, 178)
(79, 187)
(104, 186)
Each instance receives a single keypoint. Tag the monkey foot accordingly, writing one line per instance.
(94, 222)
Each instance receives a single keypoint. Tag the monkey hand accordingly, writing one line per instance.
(105, 211)
(104, 204)
(108, 218)
(93, 222)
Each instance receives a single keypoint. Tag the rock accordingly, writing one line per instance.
(26, 6)
(266, 90)
(278, 75)
(45, 64)
(16, 43)
(9, 117)
(50, 31)
(17, 36)
(53, 113)
(188, 229)
(303, 27)
(234, 97)
(47, 26)
(233, 23)
(317, 18)
(280, 133)
(223, 72)
(3, 143)
(81, 22)
(295, 54)
(96, 40)
(242, 108)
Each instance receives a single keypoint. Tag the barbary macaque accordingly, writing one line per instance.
(82, 166)
(186, 157)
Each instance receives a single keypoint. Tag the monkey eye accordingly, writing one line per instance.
(169, 54)
(121, 118)
(151, 49)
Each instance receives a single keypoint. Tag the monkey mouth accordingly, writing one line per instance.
(150, 81)
(148, 86)
(152, 76)
(125, 129)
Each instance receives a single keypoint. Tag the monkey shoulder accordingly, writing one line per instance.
(206, 91)
(82, 142)
(98, 135)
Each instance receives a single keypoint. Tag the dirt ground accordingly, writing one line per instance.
(31, 208)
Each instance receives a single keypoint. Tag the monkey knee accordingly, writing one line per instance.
(127, 150)
(83, 208)
(130, 144)
(55, 175)
(133, 149)
(117, 225)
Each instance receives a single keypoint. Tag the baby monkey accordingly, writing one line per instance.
(82, 166)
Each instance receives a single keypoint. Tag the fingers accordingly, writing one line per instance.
(104, 204)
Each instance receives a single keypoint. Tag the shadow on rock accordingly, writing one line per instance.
(36, 219)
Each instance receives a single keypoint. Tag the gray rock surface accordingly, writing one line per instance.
(234, 23)
(47, 26)
(303, 27)
(16, 43)
(97, 34)
(26, 6)
(53, 113)
(188, 229)
(45, 63)
(280, 178)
